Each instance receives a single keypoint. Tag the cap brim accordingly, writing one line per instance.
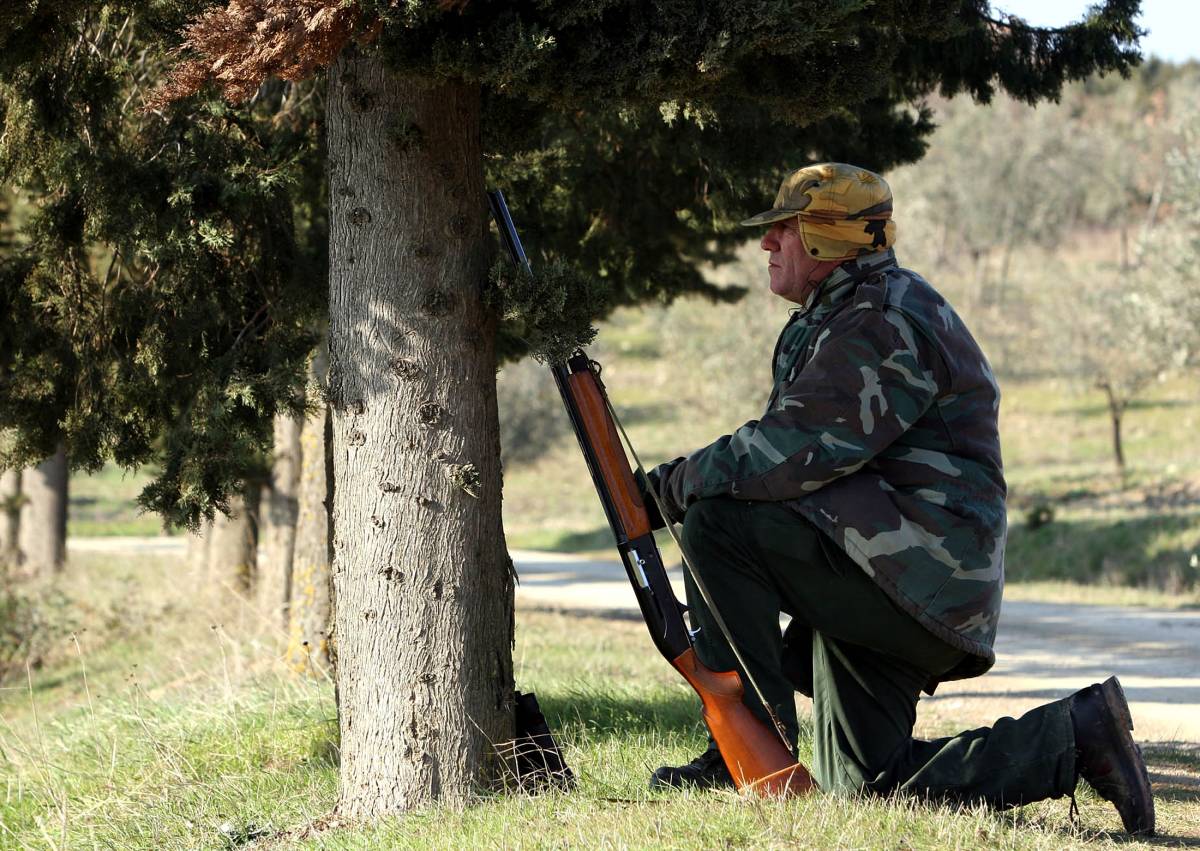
(769, 217)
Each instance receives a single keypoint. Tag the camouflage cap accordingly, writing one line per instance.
(842, 210)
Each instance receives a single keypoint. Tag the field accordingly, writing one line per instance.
(161, 719)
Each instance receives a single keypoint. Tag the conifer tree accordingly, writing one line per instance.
(635, 132)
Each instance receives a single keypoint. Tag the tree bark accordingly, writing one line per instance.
(232, 545)
(43, 529)
(10, 519)
(309, 648)
(279, 507)
(422, 582)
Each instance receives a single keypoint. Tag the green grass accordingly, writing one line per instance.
(172, 724)
(104, 504)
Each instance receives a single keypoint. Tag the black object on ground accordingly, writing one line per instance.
(536, 759)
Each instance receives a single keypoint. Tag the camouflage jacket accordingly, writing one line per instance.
(881, 430)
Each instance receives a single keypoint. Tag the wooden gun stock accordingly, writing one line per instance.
(754, 755)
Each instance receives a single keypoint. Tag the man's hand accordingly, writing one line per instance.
(644, 486)
(656, 479)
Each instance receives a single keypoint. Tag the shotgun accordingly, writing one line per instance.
(758, 758)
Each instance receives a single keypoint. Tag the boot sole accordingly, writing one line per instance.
(1122, 724)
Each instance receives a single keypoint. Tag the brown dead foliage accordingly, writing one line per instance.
(243, 44)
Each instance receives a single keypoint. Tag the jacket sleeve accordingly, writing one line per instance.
(861, 389)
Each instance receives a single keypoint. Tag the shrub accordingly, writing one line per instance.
(29, 624)
(531, 412)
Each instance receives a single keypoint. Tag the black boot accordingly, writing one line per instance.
(706, 771)
(1106, 756)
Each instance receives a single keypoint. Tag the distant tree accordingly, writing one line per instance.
(310, 607)
(196, 555)
(233, 544)
(10, 519)
(278, 506)
(1176, 243)
(1114, 334)
(43, 523)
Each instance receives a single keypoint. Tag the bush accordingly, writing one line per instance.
(531, 411)
(29, 624)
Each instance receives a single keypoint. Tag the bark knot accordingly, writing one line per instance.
(361, 99)
(426, 502)
(406, 368)
(430, 414)
(465, 477)
(458, 227)
(438, 302)
(356, 438)
(360, 216)
(406, 136)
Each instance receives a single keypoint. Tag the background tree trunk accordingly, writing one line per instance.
(233, 543)
(10, 519)
(309, 613)
(423, 588)
(278, 510)
(197, 552)
(1116, 412)
(43, 532)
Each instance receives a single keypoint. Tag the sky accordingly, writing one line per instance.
(1173, 24)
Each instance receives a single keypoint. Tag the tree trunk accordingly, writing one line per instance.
(232, 545)
(309, 649)
(1116, 411)
(43, 533)
(197, 552)
(10, 518)
(278, 515)
(423, 588)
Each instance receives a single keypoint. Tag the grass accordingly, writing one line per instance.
(163, 719)
(104, 504)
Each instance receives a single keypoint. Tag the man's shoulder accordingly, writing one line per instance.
(903, 291)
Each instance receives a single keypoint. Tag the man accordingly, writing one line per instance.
(868, 503)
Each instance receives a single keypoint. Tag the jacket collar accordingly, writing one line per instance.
(845, 279)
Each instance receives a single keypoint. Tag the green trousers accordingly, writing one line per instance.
(861, 659)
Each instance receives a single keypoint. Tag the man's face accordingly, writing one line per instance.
(794, 274)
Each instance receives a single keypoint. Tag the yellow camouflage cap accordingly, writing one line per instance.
(842, 210)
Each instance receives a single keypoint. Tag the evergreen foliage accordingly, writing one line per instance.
(548, 313)
(159, 308)
(166, 286)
